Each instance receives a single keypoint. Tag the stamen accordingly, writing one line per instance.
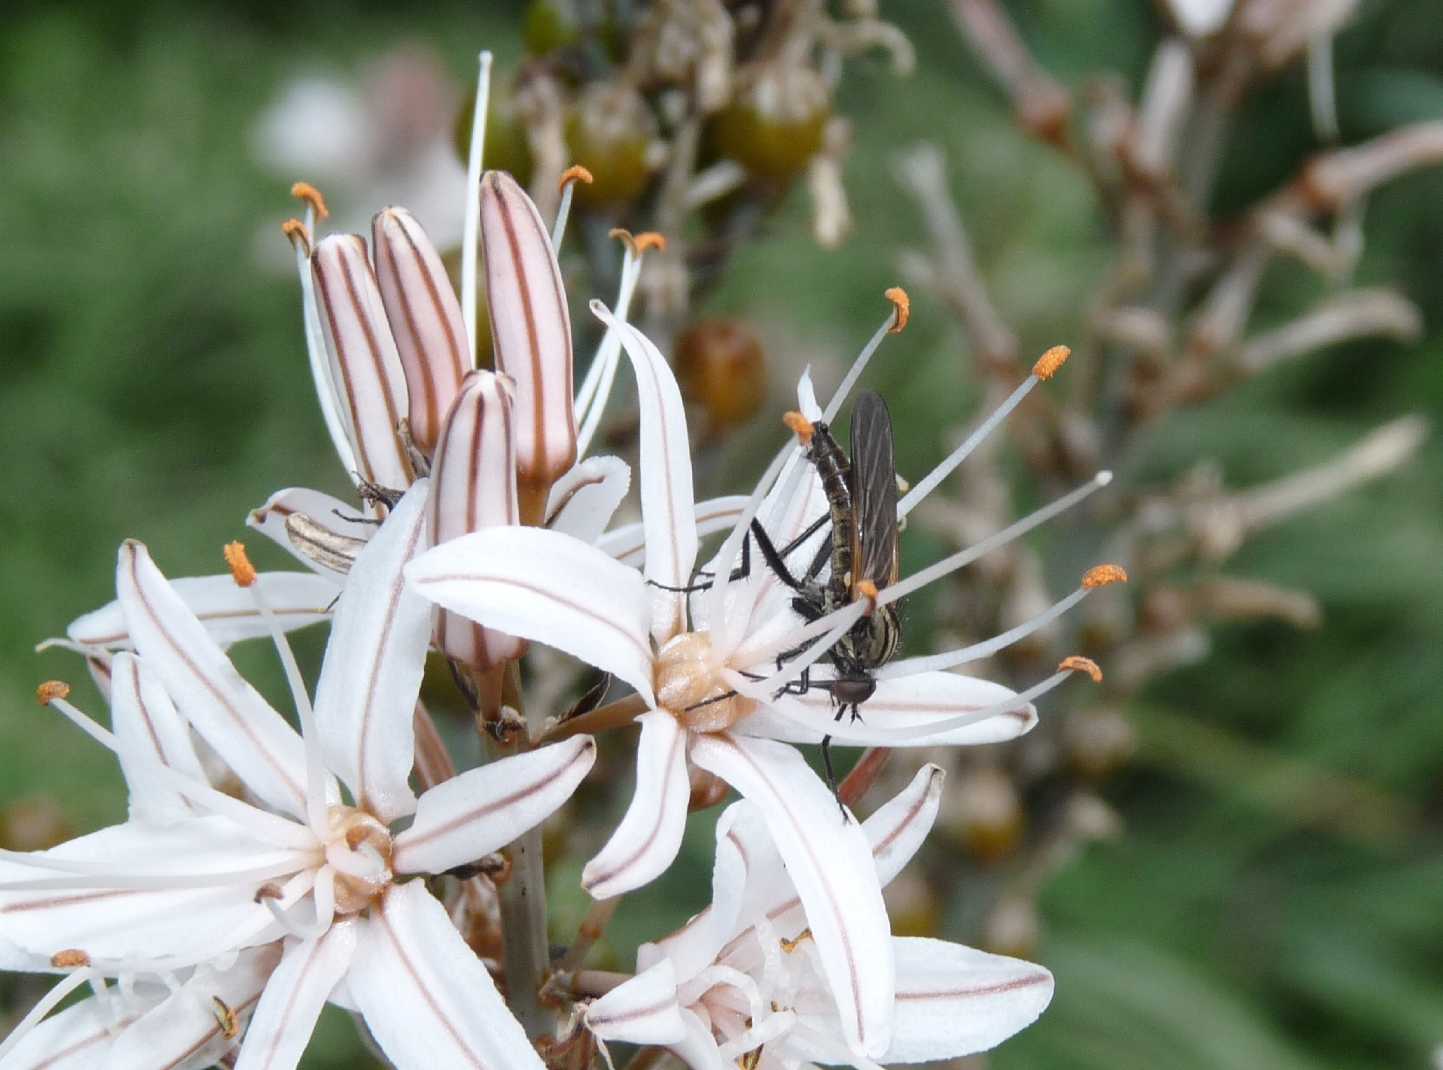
(262, 824)
(302, 237)
(903, 305)
(245, 576)
(325, 901)
(1012, 531)
(855, 371)
(1047, 364)
(569, 178)
(831, 627)
(47, 1003)
(723, 639)
(1099, 576)
(868, 590)
(472, 228)
(225, 1018)
(315, 203)
(639, 243)
(1077, 663)
(800, 426)
(241, 569)
(69, 959)
(51, 690)
(1045, 368)
(595, 389)
(789, 946)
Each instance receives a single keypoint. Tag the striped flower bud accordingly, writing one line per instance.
(364, 363)
(531, 333)
(473, 486)
(425, 319)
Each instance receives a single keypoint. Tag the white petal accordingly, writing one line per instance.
(667, 502)
(583, 501)
(830, 861)
(742, 843)
(549, 587)
(228, 612)
(329, 512)
(110, 922)
(484, 809)
(908, 702)
(426, 997)
(229, 713)
(698, 1049)
(649, 835)
(148, 729)
(366, 697)
(898, 827)
(643, 1010)
(186, 1031)
(628, 542)
(1198, 18)
(365, 365)
(530, 326)
(953, 1001)
(425, 318)
(292, 1001)
(80, 1036)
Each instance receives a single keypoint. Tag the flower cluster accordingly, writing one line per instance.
(263, 872)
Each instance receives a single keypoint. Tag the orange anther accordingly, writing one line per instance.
(296, 231)
(903, 306)
(1102, 575)
(51, 689)
(800, 426)
(575, 173)
(650, 239)
(1047, 364)
(241, 569)
(1077, 663)
(69, 959)
(868, 590)
(312, 196)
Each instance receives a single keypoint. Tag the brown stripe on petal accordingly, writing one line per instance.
(103, 1033)
(280, 1031)
(630, 860)
(995, 989)
(422, 987)
(631, 1016)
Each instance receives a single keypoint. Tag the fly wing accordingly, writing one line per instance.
(874, 493)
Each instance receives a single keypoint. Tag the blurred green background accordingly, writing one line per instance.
(153, 384)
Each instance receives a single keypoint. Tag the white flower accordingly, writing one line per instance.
(711, 690)
(194, 873)
(743, 977)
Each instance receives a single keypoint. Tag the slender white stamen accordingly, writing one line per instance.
(261, 824)
(47, 1003)
(310, 736)
(472, 227)
(59, 642)
(723, 638)
(316, 350)
(717, 974)
(595, 389)
(985, 649)
(858, 366)
(563, 213)
(325, 901)
(833, 626)
(766, 1028)
(943, 470)
(936, 571)
(352, 863)
(146, 881)
(1016, 704)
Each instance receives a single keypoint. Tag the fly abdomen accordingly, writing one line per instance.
(833, 469)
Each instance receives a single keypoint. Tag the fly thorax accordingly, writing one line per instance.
(688, 683)
(358, 850)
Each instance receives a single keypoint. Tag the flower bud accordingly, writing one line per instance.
(364, 363)
(530, 333)
(425, 318)
(473, 486)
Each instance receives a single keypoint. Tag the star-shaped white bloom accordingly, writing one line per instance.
(195, 873)
(742, 982)
(709, 677)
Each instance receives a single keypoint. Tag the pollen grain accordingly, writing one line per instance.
(1047, 364)
(1102, 575)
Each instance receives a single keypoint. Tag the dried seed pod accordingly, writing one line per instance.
(776, 125)
(723, 370)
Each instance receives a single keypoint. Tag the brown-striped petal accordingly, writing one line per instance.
(364, 361)
(425, 319)
(530, 329)
(474, 487)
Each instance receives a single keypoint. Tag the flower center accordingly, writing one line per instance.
(688, 685)
(358, 850)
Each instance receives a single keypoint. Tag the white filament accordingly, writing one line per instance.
(1014, 704)
(558, 229)
(472, 225)
(595, 389)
